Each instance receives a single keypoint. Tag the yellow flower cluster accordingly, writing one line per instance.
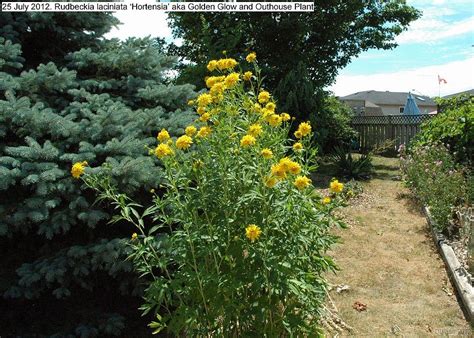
(280, 171)
(78, 169)
(183, 142)
(335, 186)
(204, 132)
(326, 200)
(134, 236)
(221, 64)
(253, 232)
(303, 129)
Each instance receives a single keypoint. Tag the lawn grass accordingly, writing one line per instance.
(390, 263)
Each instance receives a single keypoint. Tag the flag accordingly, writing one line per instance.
(441, 80)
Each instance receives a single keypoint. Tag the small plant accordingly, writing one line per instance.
(235, 244)
(387, 148)
(347, 166)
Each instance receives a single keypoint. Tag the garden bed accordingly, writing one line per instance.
(454, 255)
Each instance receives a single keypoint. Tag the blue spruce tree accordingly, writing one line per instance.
(64, 269)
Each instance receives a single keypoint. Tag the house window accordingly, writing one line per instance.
(402, 109)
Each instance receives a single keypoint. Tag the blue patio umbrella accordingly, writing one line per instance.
(410, 107)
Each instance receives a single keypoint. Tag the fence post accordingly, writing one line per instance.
(391, 128)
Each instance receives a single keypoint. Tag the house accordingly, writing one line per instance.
(377, 103)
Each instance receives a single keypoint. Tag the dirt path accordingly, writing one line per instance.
(390, 263)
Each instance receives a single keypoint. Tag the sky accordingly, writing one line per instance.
(440, 43)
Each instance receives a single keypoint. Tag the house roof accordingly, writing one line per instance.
(388, 98)
(469, 92)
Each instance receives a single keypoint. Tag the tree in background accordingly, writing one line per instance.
(63, 269)
(300, 52)
(50, 36)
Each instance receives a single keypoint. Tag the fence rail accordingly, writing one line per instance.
(375, 130)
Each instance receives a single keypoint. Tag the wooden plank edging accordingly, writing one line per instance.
(456, 272)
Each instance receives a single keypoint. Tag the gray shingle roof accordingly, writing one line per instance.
(388, 98)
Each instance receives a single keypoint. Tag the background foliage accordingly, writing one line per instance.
(58, 104)
(300, 53)
(453, 126)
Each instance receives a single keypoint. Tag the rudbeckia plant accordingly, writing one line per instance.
(235, 241)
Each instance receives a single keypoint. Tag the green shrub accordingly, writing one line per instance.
(453, 126)
(436, 179)
(236, 245)
(351, 168)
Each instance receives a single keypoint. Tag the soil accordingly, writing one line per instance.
(392, 280)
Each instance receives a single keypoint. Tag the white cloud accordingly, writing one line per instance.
(433, 28)
(458, 74)
(141, 24)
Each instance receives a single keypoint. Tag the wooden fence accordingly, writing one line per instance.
(374, 130)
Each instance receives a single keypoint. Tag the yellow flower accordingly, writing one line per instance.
(274, 120)
(212, 65)
(134, 236)
(255, 130)
(204, 100)
(326, 200)
(247, 76)
(304, 128)
(266, 113)
(204, 117)
(184, 142)
(78, 169)
(279, 171)
(285, 117)
(285, 163)
(298, 134)
(251, 57)
(294, 168)
(232, 79)
(270, 182)
(204, 132)
(163, 135)
(190, 102)
(201, 110)
(271, 106)
(266, 153)
(336, 186)
(212, 80)
(190, 130)
(252, 232)
(247, 140)
(217, 89)
(297, 146)
(163, 150)
(302, 182)
(263, 96)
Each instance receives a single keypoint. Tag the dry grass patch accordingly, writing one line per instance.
(390, 263)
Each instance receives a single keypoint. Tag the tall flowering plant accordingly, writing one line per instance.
(234, 243)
